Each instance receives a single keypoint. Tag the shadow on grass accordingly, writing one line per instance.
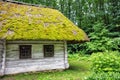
(79, 66)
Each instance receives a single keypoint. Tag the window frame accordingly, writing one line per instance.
(29, 55)
(51, 54)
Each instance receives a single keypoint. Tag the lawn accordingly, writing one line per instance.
(79, 69)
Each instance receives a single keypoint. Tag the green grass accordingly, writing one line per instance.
(77, 71)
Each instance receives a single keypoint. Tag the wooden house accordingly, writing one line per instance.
(34, 38)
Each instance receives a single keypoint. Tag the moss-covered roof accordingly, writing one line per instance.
(23, 22)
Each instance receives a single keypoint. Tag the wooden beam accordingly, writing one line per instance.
(35, 42)
(3, 58)
(65, 54)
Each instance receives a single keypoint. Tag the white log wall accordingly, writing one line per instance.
(2, 56)
(1, 53)
(37, 62)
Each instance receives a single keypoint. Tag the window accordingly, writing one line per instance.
(48, 50)
(25, 51)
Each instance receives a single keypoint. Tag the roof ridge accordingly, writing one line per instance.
(23, 3)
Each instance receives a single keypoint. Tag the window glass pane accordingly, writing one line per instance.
(48, 50)
(25, 51)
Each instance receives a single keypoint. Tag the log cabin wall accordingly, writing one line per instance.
(1, 53)
(2, 56)
(37, 61)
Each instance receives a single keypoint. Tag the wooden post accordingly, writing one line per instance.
(65, 54)
(2, 71)
(1, 52)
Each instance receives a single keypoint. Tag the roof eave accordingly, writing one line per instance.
(78, 41)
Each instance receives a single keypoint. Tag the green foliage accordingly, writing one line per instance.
(99, 41)
(73, 56)
(105, 66)
(78, 57)
(73, 48)
(106, 62)
(116, 44)
(104, 76)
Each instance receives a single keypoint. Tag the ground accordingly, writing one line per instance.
(79, 69)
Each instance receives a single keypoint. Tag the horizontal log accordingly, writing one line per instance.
(20, 66)
(1, 46)
(33, 68)
(1, 41)
(36, 60)
(35, 42)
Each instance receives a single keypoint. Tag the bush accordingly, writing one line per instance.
(106, 62)
(99, 41)
(104, 76)
(73, 56)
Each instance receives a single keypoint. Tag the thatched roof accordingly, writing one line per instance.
(23, 22)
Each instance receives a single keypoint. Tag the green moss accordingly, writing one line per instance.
(36, 23)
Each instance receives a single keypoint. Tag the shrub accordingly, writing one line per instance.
(99, 41)
(73, 56)
(106, 62)
(104, 76)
